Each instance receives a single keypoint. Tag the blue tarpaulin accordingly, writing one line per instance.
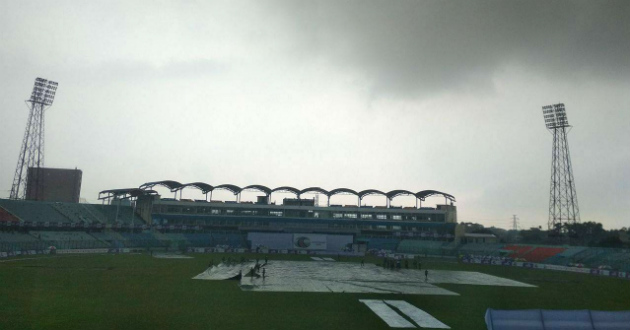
(540, 319)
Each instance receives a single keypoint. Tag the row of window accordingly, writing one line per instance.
(262, 224)
(295, 213)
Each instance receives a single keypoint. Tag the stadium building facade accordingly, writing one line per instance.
(302, 215)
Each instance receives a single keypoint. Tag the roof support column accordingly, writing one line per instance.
(117, 209)
(133, 214)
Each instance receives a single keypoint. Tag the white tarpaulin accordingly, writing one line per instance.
(422, 318)
(387, 314)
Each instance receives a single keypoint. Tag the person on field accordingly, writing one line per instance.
(426, 275)
(264, 273)
(362, 262)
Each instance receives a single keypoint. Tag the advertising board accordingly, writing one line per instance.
(309, 242)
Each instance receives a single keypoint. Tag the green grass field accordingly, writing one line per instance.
(138, 291)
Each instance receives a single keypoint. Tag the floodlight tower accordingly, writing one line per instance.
(32, 151)
(563, 203)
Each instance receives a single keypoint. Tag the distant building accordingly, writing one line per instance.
(53, 184)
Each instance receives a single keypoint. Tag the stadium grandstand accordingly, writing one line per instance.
(139, 218)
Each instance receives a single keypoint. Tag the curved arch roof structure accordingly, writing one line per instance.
(234, 189)
(428, 193)
(170, 184)
(287, 189)
(342, 191)
(399, 192)
(368, 192)
(314, 189)
(204, 187)
(258, 187)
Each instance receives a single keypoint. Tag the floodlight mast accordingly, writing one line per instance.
(563, 203)
(32, 151)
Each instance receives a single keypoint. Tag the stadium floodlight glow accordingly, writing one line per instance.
(555, 116)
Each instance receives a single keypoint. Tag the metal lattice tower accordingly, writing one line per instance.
(515, 222)
(563, 203)
(32, 151)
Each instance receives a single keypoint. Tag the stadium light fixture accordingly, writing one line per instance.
(555, 116)
(43, 91)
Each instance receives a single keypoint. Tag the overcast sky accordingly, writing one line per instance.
(388, 95)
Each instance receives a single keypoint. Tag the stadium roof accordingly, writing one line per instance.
(126, 193)
(428, 193)
(342, 191)
(370, 192)
(296, 191)
(206, 188)
(315, 190)
(400, 192)
(258, 187)
(230, 187)
(172, 185)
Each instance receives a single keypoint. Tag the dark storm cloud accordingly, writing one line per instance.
(365, 94)
(416, 48)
